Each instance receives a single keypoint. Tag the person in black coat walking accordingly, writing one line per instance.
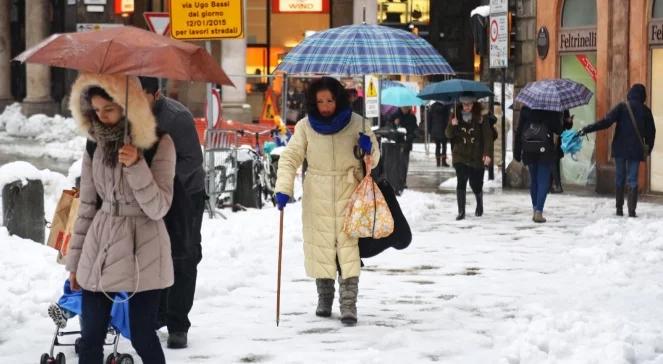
(438, 118)
(627, 147)
(539, 160)
(184, 221)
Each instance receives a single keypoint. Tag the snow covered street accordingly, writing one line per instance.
(586, 287)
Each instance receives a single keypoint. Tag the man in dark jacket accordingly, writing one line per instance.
(438, 118)
(184, 222)
(627, 147)
(539, 162)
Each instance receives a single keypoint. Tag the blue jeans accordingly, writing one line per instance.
(626, 171)
(539, 176)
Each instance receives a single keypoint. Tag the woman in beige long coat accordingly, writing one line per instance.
(121, 244)
(326, 138)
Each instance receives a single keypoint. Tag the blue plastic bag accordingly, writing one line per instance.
(71, 302)
(571, 142)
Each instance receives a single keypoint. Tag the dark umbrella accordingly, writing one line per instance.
(450, 90)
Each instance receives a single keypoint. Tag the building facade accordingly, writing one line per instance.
(608, 45)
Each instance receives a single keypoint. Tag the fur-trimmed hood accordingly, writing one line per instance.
(142, 121)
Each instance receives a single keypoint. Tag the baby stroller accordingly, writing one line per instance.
(68, 306)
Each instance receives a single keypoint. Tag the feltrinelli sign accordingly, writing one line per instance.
(300, 6)
(577, 39)
(656, 32)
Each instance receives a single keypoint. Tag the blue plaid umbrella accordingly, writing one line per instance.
(554, 95)
(452, 89)
(364, 49)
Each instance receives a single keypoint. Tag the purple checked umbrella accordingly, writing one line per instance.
(554, 95)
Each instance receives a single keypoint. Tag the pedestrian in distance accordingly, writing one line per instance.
(472, 145)
(184, 220)
(635, 133)
(327, 138)
(556, 185)
(535, 147)
(438, 118)
(404, 118)
(119, 242)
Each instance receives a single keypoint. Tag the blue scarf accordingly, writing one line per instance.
(331, 125)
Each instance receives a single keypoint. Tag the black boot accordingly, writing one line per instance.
(177, 340)
(444, 161)
(619, 201)
(460, 198)
(479, 209)
(632, 201)
(438, 160)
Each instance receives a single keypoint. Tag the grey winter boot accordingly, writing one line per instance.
(325, 296)
(348, 299)
(632, 201)
(619, 201)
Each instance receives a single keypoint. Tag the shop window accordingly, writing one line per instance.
(404, 12)
(579, 13)
(657, 11)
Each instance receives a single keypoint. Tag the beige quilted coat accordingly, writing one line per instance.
(131, 251)
(333, 173)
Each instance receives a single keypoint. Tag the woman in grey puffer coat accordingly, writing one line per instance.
(121, 245)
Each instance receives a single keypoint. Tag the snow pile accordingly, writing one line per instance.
(11, 114)
(42, 127)
(483, 10)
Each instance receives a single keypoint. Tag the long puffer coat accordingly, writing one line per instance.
(130, 251)
(332, 175)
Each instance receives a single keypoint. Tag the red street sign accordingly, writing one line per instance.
(493, 30)
(158, 22)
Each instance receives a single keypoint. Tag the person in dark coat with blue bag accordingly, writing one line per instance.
(534, 146)
(184, 220)
(630, 146)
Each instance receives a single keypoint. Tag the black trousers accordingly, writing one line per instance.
(177, 300)
(440, 144)
(465, 173)
(95, 316)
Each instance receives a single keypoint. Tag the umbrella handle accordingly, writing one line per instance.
(278, 275)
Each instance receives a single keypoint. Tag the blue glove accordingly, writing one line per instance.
(365, 143)
(281, 200)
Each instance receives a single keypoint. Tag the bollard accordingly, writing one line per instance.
(23, 209)
(517, 175)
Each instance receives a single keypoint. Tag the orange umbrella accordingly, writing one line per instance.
(128, 51)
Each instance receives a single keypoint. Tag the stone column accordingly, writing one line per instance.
(38, 98)
(233, 62)
(371, 11)
(5, 56)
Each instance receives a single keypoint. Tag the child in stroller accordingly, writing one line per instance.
(68, 306)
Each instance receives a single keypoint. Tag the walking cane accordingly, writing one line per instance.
(278, 275)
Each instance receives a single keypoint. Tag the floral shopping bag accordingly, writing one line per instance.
(367, 214)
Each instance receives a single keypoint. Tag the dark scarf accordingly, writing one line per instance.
(111, 137)
(330, 125)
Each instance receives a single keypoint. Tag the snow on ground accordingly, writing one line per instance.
(583, 288)
(39, 135)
